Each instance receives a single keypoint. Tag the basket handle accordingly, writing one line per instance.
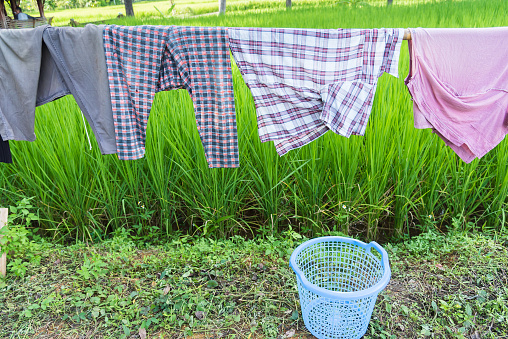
(382, 251)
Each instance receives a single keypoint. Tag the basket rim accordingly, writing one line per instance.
(373, 290)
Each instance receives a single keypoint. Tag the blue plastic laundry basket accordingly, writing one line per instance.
(338, 282)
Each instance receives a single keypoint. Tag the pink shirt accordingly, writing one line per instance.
(458, 79)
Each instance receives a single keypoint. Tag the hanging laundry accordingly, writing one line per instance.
(78, 54)
(458, 79)
(46, 63)
(307, 81)
(144, 60)
(20, 64)
(5, 151)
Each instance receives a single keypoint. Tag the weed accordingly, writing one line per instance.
(451, 286)
(386, 181)
(18, 238)
(92, 268)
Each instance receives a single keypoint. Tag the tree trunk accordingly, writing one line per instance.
(389, 2)
(13, 4)
(129, 10)
(40, 5)
(222, 7)
(288, 4)
(3, 15)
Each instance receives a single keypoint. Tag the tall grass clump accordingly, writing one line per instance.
(394, 181)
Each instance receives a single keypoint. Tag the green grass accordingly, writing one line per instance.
(442, 286)
(163, 8)
(393, 182)
(61, 17)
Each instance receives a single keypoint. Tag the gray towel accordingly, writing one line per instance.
(79, 57)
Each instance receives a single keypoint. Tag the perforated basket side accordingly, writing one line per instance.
(339, 267)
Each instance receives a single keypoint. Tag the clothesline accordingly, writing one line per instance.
(304, 82)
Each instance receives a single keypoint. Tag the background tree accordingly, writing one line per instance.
(389, 2)
(129, 10)
(288, 4)
(222, 7)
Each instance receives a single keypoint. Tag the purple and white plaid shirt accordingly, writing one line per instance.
(308, 81)
(143, 60)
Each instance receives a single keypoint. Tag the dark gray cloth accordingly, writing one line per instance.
(79, 57)
(32, 73)
(20, 64)
(5, 151)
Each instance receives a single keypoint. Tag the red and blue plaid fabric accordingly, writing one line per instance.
(143, 60)
(308, 81)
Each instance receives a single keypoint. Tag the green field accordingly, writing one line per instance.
(147, 9)
(188, 8)
(393, 182)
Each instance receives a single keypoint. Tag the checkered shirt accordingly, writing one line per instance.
(307, 81)
(143, 60)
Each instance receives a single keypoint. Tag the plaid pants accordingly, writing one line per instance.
(143, 60)
(308, 81)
